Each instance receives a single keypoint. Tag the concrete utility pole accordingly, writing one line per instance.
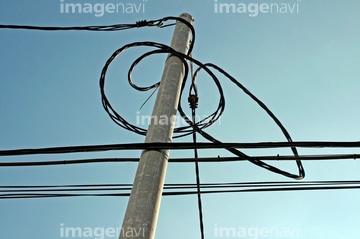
(144, 202)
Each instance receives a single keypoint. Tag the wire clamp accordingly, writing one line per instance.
(142, 23)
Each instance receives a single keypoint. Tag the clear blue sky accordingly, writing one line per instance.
(304, 65)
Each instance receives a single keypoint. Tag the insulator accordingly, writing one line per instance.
(193, 101)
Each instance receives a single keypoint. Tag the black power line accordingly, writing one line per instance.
(92, 190)
(179, 160)
(177, 146)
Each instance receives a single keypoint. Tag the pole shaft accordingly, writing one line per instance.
(144, 203)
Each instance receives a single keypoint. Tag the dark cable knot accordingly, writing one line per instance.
(193, 101)
(142, 23)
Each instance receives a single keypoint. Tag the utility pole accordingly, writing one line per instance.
(144, 203)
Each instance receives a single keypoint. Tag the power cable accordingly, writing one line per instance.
(177, 146)
(194, 185)
(218, 159)
(12, 192)
(127, 187)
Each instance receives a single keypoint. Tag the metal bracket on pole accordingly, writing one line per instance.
(144, 202)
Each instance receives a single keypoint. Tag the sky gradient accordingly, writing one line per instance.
(303, 65)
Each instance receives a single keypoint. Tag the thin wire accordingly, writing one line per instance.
(149, 97)
(251, 187)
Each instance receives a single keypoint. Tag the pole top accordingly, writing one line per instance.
(187, 17)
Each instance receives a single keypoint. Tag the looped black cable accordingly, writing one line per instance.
(106, 104)
(161, 48)
(193, 99)
(188, 24)
(255, 161)
(201, 124)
